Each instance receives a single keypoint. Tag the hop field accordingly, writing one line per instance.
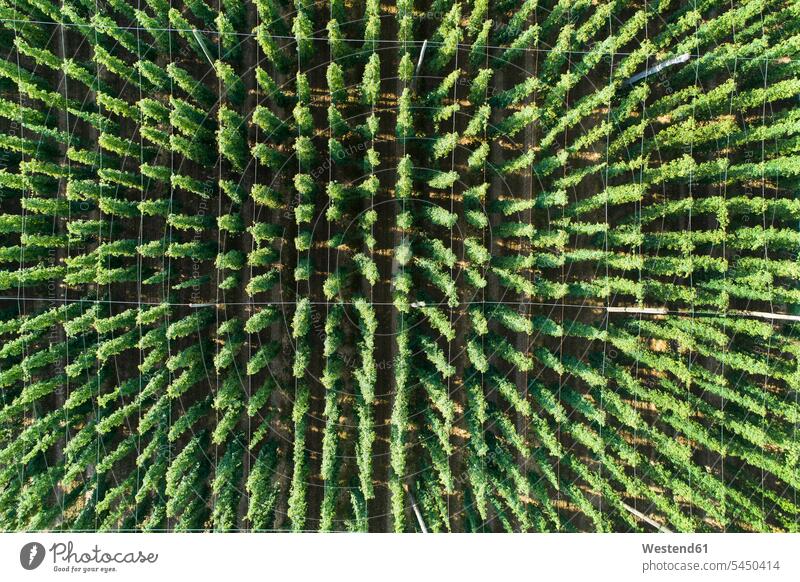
(377, 266)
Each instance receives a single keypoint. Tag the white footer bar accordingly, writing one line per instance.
(407, 557)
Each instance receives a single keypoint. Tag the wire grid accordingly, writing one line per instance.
(526, 304)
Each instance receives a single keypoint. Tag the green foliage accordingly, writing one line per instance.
(263, 489)
(552, 298)
(231, 82)
(232, 142)
(336, 84)
(303, 30)
(371, 82)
